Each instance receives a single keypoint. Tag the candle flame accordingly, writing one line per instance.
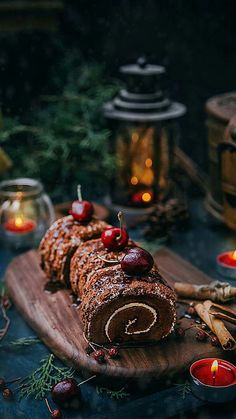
(148, 163)
(19, 221)
(134, 180)
(214, 367)
(146, 197)
(234, 255)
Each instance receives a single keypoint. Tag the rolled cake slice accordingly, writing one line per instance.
(89, 257)
(117, 308)
(61, 241)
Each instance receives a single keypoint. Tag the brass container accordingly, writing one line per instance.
(220, 110)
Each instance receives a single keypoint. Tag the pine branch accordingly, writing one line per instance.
(43, 378)
(25, 341)
(113, 394)
(184, 389)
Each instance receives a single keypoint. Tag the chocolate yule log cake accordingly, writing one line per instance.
(117, 308)
(123, 296)
(65, 235)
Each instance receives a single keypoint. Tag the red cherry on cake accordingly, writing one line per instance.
(115, 238)
(137, 261)
(81, 210)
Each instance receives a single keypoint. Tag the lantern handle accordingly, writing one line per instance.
(142, 61)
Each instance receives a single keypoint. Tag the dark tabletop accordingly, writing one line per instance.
(199, 244)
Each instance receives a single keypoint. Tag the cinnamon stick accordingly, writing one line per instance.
(215, 325)
(215, 291)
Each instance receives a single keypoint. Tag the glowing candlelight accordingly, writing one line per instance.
(214, 370)
(19, 225)
(213, 380)
(142, 197)
(226, 263)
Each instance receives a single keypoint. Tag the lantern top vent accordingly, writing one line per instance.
(143, 99)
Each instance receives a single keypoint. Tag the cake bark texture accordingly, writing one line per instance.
(114, 307)
(61, 241)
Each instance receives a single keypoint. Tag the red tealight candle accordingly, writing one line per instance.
(142, 198)
(213, 380)
(19, 225)
(226, 264)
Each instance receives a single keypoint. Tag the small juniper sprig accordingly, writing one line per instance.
(25, 341)
(184, 389)
(43, 378)
(113, 394)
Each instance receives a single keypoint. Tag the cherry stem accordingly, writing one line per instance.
(79, 193)
(48, 406)
(14, 380)
(121, 221)
(85, 381)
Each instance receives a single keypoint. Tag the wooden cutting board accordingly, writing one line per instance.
(56, 321)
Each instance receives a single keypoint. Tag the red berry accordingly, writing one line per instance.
(115, 238)
(6, 302)
(201, 336)
(99, 356)
(82, 211)
(2, 384)
(56, 413)
(179, 332)
(66, 393)
(215, 341)
(137, 261)
(191, 311)
(7, 394)
(113, 352)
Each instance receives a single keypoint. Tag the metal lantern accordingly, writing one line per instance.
(143, 121)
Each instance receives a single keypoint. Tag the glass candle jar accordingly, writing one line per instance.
(26, 212)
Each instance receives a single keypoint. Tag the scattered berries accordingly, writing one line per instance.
(215, 341)
(99, 356)
(191, 311)
(201, 336)
(179, 332)
(113, 352)
(56, 413)
(204, 326)
(7, 394)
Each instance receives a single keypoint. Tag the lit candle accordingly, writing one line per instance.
(19, 225)
(142, 198)
(214, 370)
(213, 380)
(226, 263)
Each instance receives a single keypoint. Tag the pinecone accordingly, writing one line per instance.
(165, 217)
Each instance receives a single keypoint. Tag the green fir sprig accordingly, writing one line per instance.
(43, 378)
(184, 389)
(27, 341)
(113, 394)
(66, 132)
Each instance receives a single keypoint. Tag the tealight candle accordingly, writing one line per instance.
(213, 380)
(19, 225)
(226, 264)
(142, 198)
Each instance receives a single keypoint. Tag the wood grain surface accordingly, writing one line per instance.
(56, 321)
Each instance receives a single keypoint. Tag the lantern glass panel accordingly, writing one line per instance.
(144, 158)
